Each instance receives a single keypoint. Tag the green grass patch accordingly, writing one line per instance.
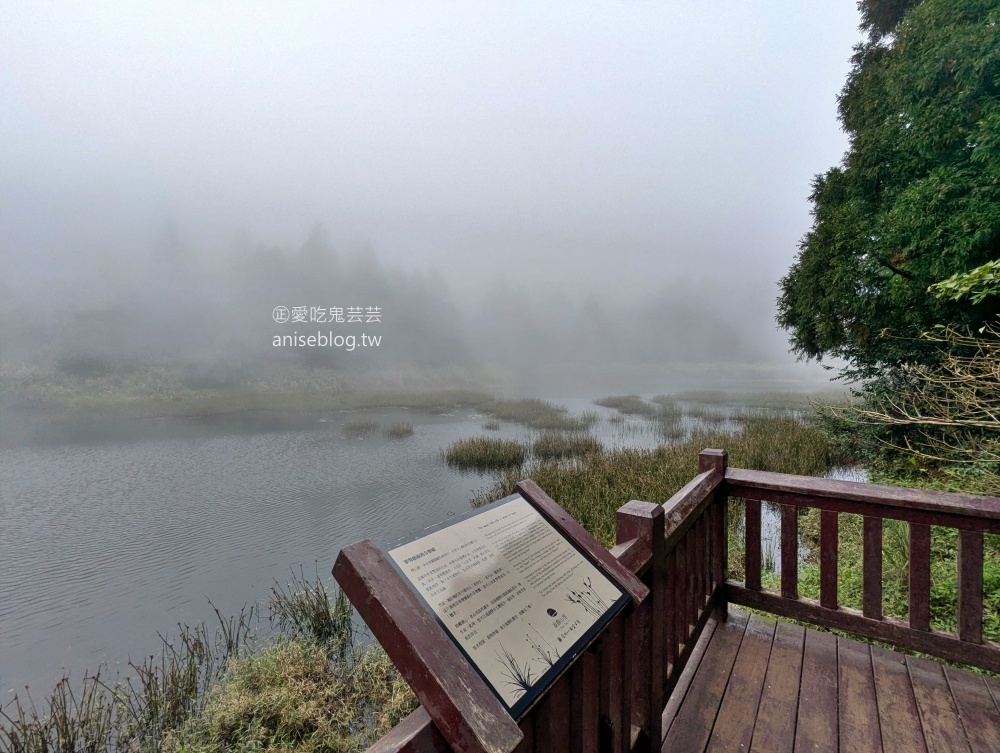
(593, 491)
(557, 445)
(535, 414)
(485, 454)
(630, 405)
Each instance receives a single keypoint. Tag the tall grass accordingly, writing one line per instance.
(360, 427)
(631, 405)
(484, 454)
(399, 430)
(553, 444)
(593, 491)
(135, 712)
(536, 414)
(311, 688)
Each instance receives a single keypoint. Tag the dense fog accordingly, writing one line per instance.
(562, 197)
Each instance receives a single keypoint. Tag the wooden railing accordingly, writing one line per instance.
(612, 700)
(972, 516)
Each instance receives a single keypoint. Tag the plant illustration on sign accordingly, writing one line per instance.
(548, 655)
(589, 599)
(518, 677)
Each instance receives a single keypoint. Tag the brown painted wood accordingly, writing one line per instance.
(939, 721)
(644, 522)
(671, 634)
(789, 551)
(680, 683)
(858, 709)
(752, 539)
(920, 576)
(700, 561)
(829, 544)
(691, 644)
(527, 727)
(552, 718)
(691, 728)
(613, 685)
(975, 705)
(634, 555)
(897, 707)
(734, 727)
(691, 550)
(415, 734)
(774, 731)
(682, 509)
(816, 730)
(464, 709)
(680, 594)
(970, 586)
(937, 643)
(720, 543)
(902, 500)
(590, 708)
(994, 685)
(872, 569)
(565, 523)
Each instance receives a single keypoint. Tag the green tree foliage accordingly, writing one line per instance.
(916, 198)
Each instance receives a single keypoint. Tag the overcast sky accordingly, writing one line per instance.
(609, 147)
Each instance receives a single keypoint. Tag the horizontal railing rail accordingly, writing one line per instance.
(971, 516)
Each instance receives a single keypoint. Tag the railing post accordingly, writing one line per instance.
(645, 521)
(716, 460)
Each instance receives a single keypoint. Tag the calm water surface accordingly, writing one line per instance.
(105, 544)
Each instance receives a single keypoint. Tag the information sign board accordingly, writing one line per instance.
(517, 596)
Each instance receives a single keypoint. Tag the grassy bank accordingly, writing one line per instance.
(310, 686)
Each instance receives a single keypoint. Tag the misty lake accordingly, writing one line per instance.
(109, 542)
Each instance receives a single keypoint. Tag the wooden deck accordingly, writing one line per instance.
(754, 684)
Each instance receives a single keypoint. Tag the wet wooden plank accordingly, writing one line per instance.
(858, 708)
(897, 707)
(970, 586)
(734, 727)
(937, 643)
(975, 705)
(415, 734)
(942, 728)
(752, 539)
(695, 718)
(994, 685)
(774, 731)
(678, 685)
(829, 545)
(816, 731)
(920, 576)
(789, 552)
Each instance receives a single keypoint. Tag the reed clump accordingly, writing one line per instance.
(485, 454)
(593, 491)
(399, 430)
(630, 405)
(491, 425)
(360, 427)
(557, 445)
(313, 687)
(535, 414)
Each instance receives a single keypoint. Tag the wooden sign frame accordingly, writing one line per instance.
(467, 711)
